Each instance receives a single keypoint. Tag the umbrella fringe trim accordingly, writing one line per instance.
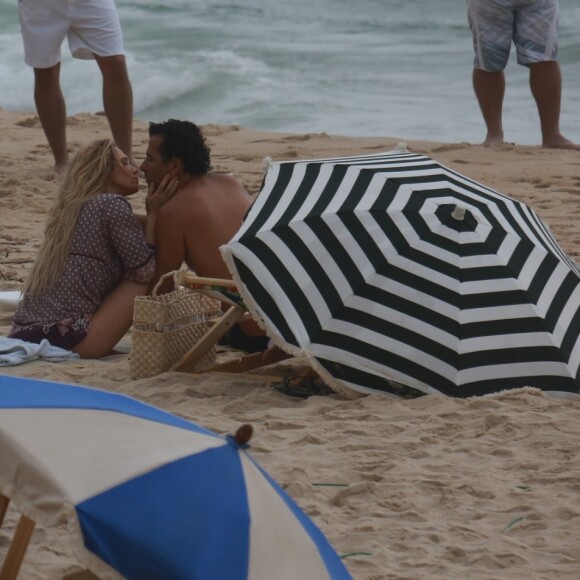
(25, 507)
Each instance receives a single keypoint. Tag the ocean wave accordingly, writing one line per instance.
(400, 67)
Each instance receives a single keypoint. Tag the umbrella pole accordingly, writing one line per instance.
(252, 361)
(4, 501)
(187, 278)
(17, 549)
(81, 575)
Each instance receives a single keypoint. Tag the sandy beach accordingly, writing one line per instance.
(431, 487)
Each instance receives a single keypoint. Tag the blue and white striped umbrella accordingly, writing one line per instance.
(392, 267)
(147, 494)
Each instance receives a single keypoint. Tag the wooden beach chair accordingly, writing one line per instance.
(226, 292)
(10, 568)
(20, 540)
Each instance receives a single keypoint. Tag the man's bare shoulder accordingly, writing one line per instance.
(203, 196)
(214, 186)
(225, 177)
(226, 180)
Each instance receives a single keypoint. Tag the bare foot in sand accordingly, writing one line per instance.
(60, 168)
(493, 139)
(560, 142)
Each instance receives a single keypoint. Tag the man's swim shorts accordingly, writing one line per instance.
(92, 26)
(532, 25)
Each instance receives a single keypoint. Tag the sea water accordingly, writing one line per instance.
(398, 68)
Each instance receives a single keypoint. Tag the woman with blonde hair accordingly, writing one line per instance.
(97, 256)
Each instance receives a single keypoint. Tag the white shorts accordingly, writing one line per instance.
(92, 26)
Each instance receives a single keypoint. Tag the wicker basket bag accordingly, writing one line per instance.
(166, 326)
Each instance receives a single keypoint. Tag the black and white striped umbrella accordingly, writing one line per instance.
(394, 267)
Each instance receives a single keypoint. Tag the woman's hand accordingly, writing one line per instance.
(164, 192)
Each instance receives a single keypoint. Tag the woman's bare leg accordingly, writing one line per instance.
(111, 321)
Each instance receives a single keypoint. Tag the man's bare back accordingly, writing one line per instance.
(203, 215)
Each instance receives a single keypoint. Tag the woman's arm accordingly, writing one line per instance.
(154, 200)
(141, 219)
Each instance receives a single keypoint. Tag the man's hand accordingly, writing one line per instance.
(164, 192)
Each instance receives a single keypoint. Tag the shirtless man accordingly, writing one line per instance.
(204, 214)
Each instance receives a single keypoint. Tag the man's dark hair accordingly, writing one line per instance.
(184, 140)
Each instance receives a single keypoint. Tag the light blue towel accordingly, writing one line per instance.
(14, 351)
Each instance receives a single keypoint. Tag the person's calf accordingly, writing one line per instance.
(118, 102)
(51, 109)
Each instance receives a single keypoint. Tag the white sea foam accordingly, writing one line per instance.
(374, 67)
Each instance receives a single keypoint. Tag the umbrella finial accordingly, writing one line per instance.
(242, 436)
(266, 164)
(458, 213)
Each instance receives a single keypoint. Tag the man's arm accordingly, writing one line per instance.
(170, 247)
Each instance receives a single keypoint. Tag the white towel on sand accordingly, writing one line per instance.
(9, 300)
(14, 351)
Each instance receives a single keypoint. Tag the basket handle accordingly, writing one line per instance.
(188, 277)
(176, 275)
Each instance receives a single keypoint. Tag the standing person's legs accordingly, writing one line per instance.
(51, 110)
(491, 23)
(536, 41)
(546, 86)
(96, 33)
(44, 26)
(118, 100)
